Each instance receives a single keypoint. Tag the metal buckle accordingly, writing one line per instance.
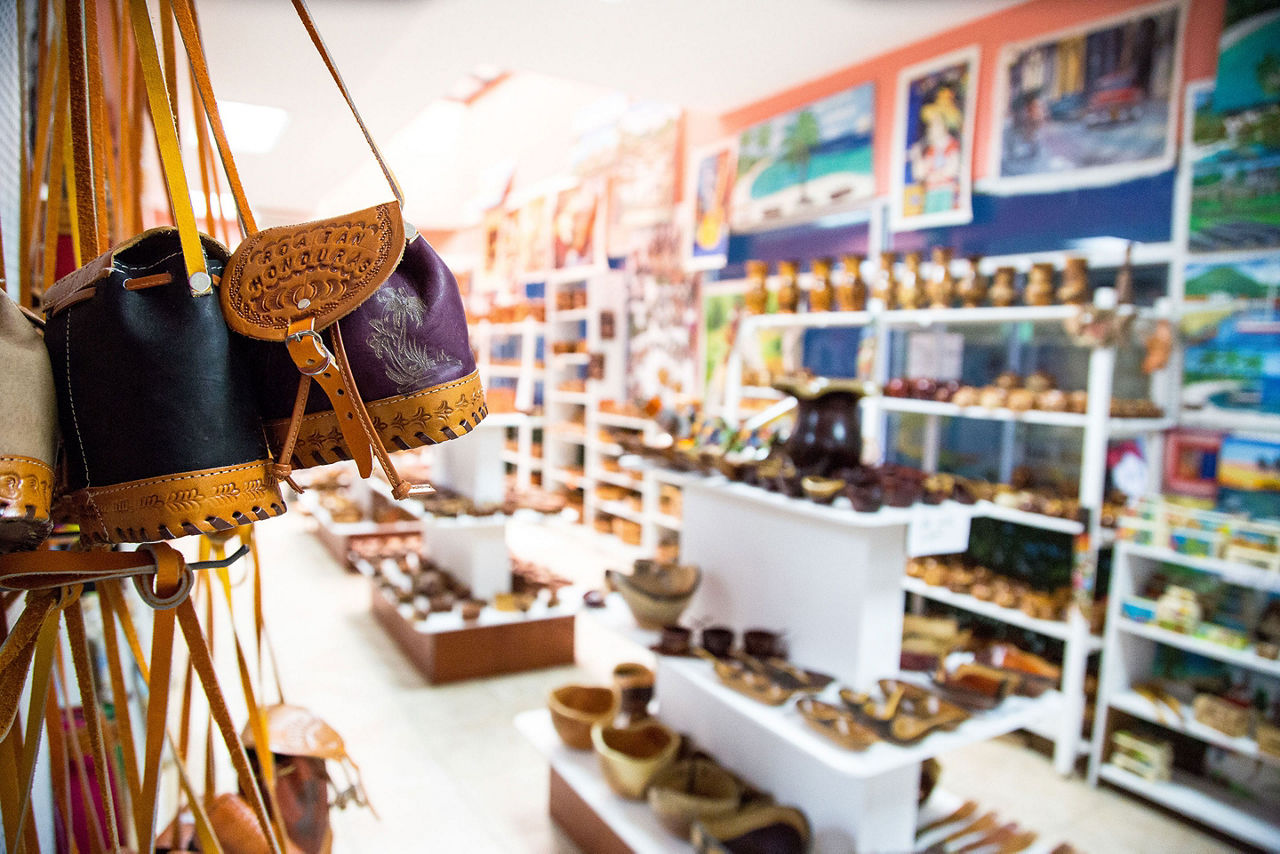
(294, 337)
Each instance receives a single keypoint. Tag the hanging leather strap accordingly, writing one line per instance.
(203, 664)
(53, 204)
(42, 672)
(51, 570)
(162, 120)
(97, 114)
(38, 172)
(168, 579)
(90, 246)
(123, 708)
(305, 14)
(17, 653)
(92, 715)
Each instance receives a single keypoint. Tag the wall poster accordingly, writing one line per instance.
(932, 180)
(711, 189)
(1090, 105)
(662, 321)
(575, 228)
(808, 161)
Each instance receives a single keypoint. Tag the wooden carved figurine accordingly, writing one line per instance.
(910, 286)
(1003, 292)
(757, 296)
(822, 295)
(886, 287)
(1075, 282)
(972, 289)
(851, 294)
(788, 287)
(942, 286)
(1039, 289)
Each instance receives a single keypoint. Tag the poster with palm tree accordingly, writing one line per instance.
(807, 162)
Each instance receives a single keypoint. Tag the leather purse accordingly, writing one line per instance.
(361, 304)
(154, 398)
(28, 430)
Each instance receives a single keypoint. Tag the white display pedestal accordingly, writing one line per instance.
(471, 465)
(832, 579)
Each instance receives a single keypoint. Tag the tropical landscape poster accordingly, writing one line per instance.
(1231, 326)
(711, 191)
(812, 159)
(1095, 100)
(1235, 136)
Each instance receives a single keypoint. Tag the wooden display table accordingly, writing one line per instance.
(446, 649)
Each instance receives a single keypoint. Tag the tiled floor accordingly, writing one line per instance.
(447, 771)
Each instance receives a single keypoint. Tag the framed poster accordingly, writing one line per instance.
(711, 189)
(1089, 105)
(534, 237)
(575, 227)
(1230, 328)
(808, 161)
(723, 309)
(932, 180)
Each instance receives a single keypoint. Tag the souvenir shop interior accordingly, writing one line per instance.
(614, 426)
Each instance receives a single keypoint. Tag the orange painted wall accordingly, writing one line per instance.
(1036, 18)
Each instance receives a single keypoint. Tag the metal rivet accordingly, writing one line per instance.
(201, 283)
(304, 303)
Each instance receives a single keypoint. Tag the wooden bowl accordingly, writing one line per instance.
(630, 757)
(575, 709)
(773, 828)
(692, 789)
(657, 594)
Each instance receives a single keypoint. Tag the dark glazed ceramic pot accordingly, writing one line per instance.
(828, 431)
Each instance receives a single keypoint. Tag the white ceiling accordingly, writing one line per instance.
(398, 56)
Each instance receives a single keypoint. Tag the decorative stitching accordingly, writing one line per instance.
(71, 399)
(404, 398)
(107, 490)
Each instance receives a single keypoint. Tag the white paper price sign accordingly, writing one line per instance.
(937, 532)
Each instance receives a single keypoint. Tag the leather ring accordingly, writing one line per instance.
(147, 591)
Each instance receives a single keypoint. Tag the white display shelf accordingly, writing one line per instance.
(1230, 419)
(1240, 658)
(628, 422)
(951, 316)
(809, 320)
(501, 370)
(991, 510)
(1230, 571)
(1115, 426)
(622, 510)
(786, 723)
(1050, 628)
(617, 618)
(616, 479)
(671, 523)
(518, 327)
(571, 315)
(1051, 730)
(568, 436)
(511, 419)
(563, 359)
(844, 515)
(513, 458)
(1213, 805)
(1133, 703)
(572, 479)
(632, 821)
(611, 449)
(762, 392)
(578, 397)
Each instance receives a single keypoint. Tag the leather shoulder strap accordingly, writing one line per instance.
(317, 270)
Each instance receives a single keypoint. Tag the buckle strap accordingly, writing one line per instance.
(313, 358)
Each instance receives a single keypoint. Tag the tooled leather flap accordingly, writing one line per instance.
(321, 269)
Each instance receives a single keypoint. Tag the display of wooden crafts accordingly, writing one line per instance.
(657, 594)
(1074, 289)
(575, 709)
(886, 286)
(630, 757)
(756, 299)
(911, 283)
(692, 789)
(851, 293)
(1003, 291)
(822, 296)
(763, 827)
(788, 287)
(837, 724)
(972, 289)
(827, 433)
(1039, 290)
(942, 287)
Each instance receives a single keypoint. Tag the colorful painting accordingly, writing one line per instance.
(1092, 104)
(933, 150)
(723, 309)
(1231, 329)
(711, 191)
(807, 161)
(1249, 477)
(534, 237)
(1235, 137)
(662, 323)
(574, 227)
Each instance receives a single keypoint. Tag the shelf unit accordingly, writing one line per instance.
(1095, 427)
(529, 375)
(1131, 648)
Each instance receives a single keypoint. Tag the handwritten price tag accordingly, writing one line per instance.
(937, 532)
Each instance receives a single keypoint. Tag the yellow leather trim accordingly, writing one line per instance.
(426, 417)
(164, 508)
